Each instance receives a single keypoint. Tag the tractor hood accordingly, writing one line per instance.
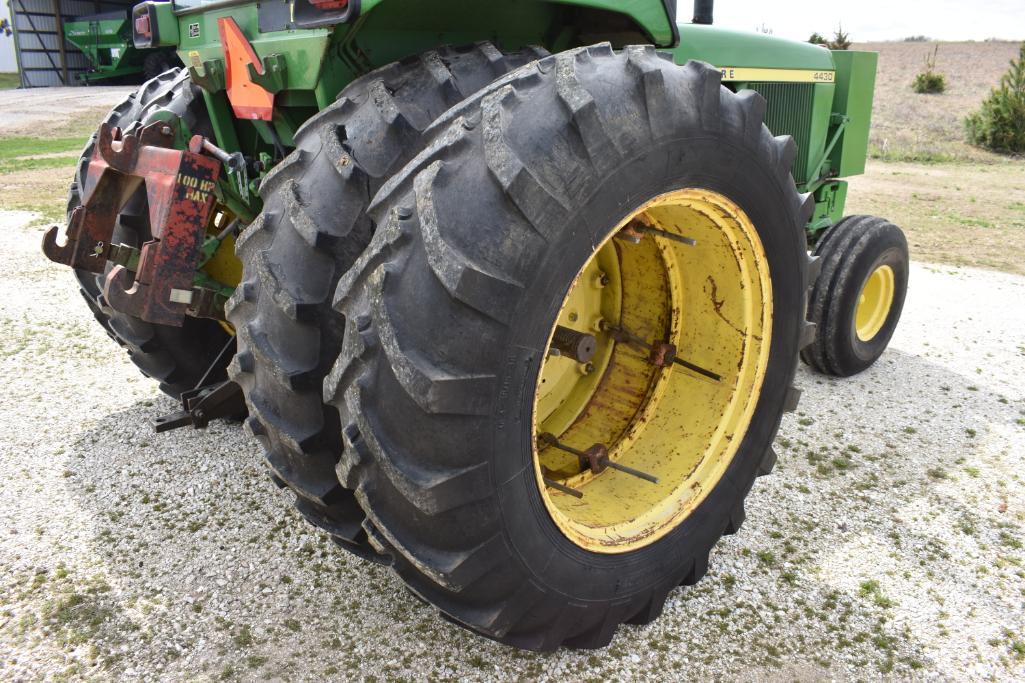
(724, 48)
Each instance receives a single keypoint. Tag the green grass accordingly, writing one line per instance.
(910, 155)
(9, 81)
(13, 148)
(14, 165)
(19, 154)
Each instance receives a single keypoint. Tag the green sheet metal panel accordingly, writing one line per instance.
(796, 80)
(727, 48)
(855, 88)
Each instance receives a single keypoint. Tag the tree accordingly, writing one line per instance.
(999, 124)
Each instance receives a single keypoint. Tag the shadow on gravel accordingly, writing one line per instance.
(862, 550)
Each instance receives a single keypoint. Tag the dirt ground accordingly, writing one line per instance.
(960, 213)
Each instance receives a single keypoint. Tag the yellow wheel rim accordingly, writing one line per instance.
(874, 303)
(712, 301)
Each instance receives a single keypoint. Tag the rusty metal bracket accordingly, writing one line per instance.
(179, 187)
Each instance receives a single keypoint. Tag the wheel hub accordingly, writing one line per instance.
(874, 303)
(678, 299)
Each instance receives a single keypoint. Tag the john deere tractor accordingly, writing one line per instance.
(512, 292)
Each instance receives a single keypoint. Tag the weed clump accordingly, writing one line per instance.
(930, 82)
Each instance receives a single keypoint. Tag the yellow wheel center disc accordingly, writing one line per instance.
(874, 303)
(689, 279)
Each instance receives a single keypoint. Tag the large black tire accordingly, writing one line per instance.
(158, 62)
(850, 252)
(313, 227)
(448, 314)
(177, 357)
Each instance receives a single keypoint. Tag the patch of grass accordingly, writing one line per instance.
(766, 557)
(872, 589)
(937, 473)
(256, 661)
(9, 81)
(14, 148)
(293, 625)
(970, 222)
(1010, 541)
(244, 637)
(919, 156)
(35, 164)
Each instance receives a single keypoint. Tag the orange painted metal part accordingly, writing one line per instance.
(248, 100)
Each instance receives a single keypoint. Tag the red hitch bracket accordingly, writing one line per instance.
(180, 191)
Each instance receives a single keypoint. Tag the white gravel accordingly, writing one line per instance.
(889, 539)
(24, 112)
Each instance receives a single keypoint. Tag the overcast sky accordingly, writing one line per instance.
(874, 19)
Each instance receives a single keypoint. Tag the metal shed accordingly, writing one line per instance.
(44, 57)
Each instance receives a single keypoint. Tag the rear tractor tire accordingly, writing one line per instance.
(177, 357)
(625, 211)
(313, 227)
(859, 295)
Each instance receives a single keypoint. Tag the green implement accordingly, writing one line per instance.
(106, 40)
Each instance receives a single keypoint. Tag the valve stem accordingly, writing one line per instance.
(596, 457)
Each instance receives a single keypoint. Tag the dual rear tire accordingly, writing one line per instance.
(482, 242)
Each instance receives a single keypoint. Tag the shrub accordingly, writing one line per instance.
(929, 82)
(840, 41)
(917, 39)
(999, 124)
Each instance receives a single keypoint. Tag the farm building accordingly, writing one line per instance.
(44, 56)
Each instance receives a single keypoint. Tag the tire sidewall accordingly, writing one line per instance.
(711, 162)
(889, 248)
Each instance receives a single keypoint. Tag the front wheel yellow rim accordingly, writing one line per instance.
(874, 303)
(628, 443)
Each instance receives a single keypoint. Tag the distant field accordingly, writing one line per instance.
(911, 127)
(957, 203)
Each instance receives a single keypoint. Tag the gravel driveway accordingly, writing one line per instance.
(888, 541)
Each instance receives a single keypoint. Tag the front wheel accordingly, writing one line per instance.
(571, 342)
(859, 295)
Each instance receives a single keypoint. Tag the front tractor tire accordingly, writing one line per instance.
(626, 211)
(313, 227)
(859, 294)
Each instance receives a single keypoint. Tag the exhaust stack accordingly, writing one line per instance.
(703, 11)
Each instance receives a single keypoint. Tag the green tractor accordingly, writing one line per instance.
(512, 292)
(107, 42)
